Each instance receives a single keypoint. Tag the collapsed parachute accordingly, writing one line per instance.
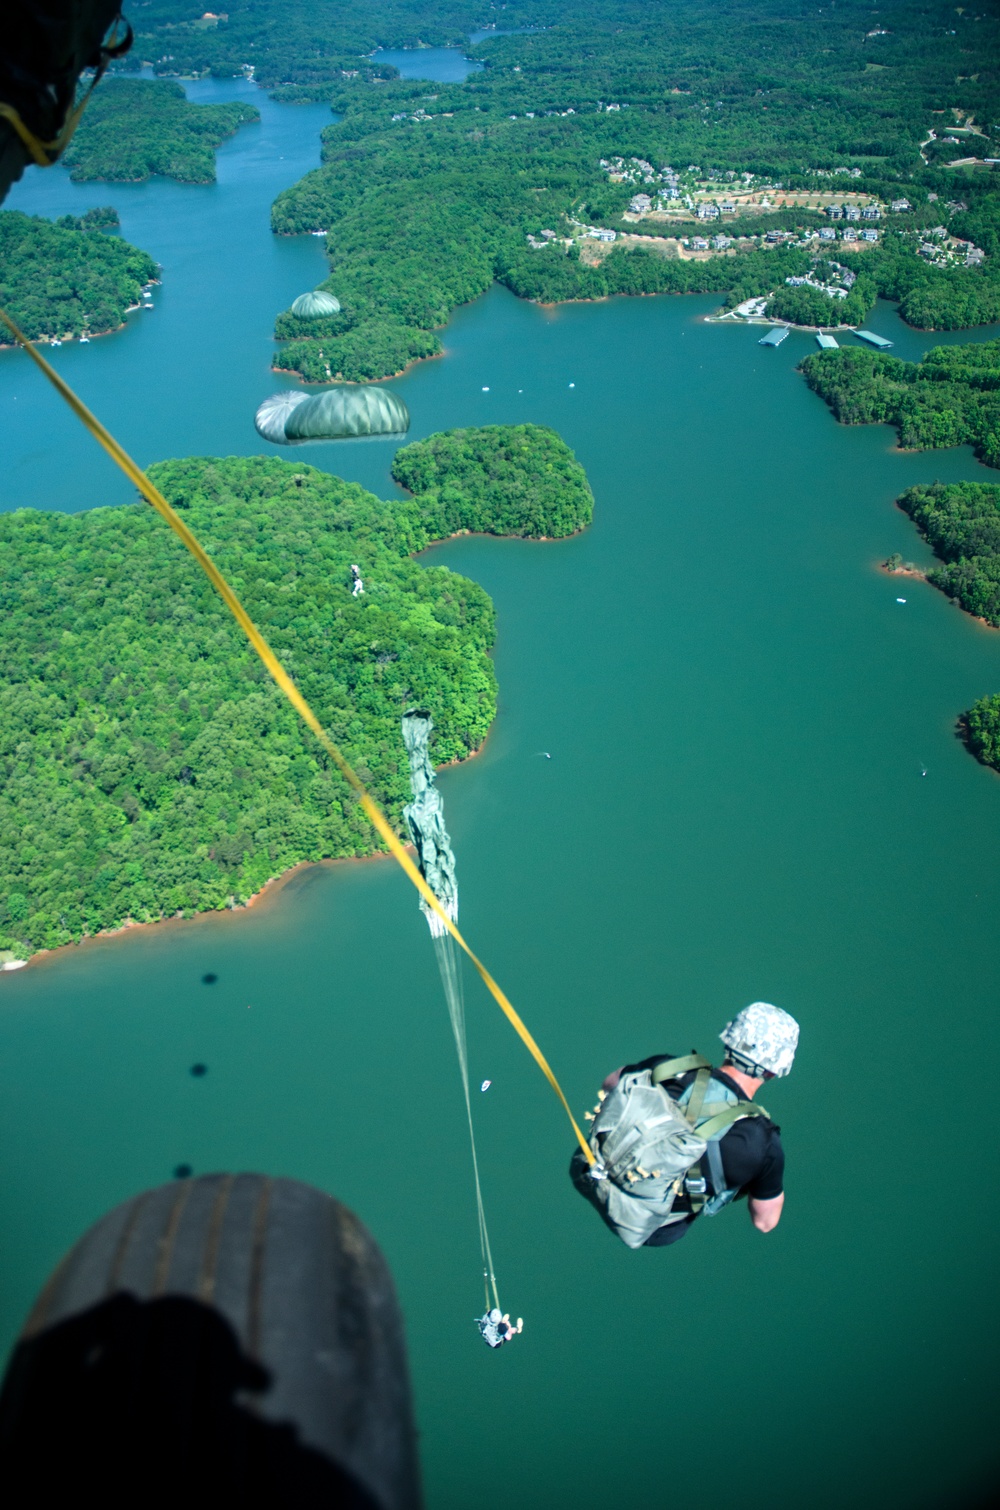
(337, 414)
(315, 304)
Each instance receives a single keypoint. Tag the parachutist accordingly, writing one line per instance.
(496, 1329)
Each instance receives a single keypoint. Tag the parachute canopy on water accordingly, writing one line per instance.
(273, 412)
(342, 412)
(313, 305)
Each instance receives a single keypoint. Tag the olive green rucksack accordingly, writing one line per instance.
(647, 1146)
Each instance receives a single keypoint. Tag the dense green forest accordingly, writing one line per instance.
(949, 398)
(961, 523)
(981, 728)
(67, 278)
(429, 192)
(133, 128)
(302, 41)
(497, 479)
(150, 766)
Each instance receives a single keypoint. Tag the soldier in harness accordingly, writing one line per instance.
(675, 1139)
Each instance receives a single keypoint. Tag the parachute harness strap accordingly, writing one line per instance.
(46, 154)
(280, 676)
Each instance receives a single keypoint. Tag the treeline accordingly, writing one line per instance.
(60, 280)
(149, 765)
(301, 42)
(133, 128)
(949, 398)
(961, 523)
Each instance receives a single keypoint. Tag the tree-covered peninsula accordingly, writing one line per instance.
(961, 523)
(150, 766)
(67, 278)
(133, 128)
(949, 398)
(617, 149)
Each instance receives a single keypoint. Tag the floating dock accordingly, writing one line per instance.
(873, 339)
(828, 343)
(774, 337)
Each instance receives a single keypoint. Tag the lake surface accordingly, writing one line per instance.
(738, 712)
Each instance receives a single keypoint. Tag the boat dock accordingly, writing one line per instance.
(828, 343)
(774, 337)
(873, 339)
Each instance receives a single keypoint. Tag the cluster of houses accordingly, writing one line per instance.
(944, 254)
(839, 290)
(717, 243)
(853, 212)
(847, 234)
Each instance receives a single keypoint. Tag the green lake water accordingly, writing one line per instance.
(738, 712)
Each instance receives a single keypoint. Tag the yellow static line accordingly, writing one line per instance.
(374, 813)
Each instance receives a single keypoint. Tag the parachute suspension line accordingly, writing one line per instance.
(450, 967)
(375, 816)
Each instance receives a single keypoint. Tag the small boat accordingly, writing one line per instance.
(55, 341)
(84, 339)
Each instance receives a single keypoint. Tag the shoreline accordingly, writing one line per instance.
(266, 894)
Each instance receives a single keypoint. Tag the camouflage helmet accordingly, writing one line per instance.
(761, 1040)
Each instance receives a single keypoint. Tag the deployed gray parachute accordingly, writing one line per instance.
(273, 412)
(316, 303)
(337, 414)
(425, 820)
(341, 412)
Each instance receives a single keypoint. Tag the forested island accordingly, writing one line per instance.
(951, 397)
(150, 766)
(498, 480)
(68, 278)
(133, 128)
(579, 162)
